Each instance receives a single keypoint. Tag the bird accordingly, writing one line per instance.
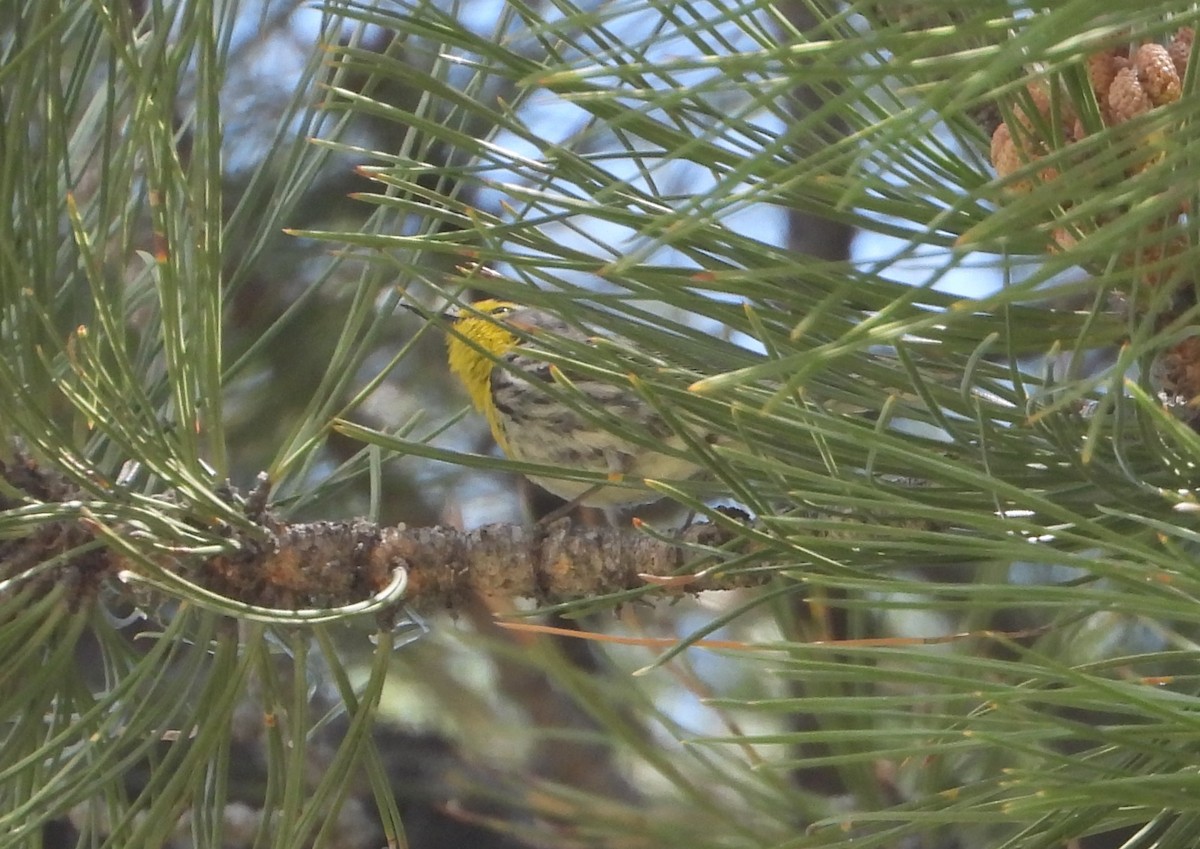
(492, 348)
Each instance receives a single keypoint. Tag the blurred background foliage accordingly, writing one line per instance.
(971, 506)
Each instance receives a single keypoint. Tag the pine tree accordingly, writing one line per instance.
(935, 587)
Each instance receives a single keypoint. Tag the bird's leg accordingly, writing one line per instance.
(563, 509)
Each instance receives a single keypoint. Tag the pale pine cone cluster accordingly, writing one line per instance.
(1126, 82)
(1125, 86)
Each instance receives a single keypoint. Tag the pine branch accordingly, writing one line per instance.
(315, 568)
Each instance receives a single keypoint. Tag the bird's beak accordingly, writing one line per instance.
(428, 316)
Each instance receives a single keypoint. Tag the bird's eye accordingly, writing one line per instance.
(503, 309)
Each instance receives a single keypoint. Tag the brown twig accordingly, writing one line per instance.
(272, 563)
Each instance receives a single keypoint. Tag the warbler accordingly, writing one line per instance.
(491, 352)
